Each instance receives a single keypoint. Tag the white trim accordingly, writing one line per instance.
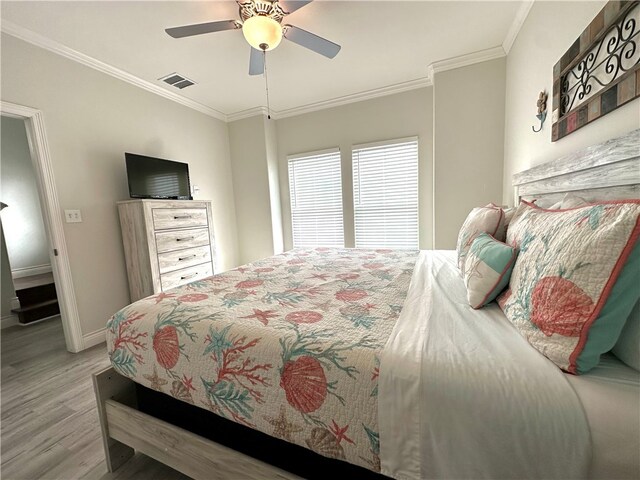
(252, 112)
(355, 97)
(516, 25)
(52, 216)
(95, 338)
(315, 153)
(15, 303)
(41, 41)
(8, 321)
(29, 271)
(465, 60)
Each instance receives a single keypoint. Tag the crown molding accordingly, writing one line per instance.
(355, 97)
(41, 41)
(251, 112)
(516, 25)
(465, 60)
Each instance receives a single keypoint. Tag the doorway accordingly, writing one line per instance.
(33, 246)
(25, 255)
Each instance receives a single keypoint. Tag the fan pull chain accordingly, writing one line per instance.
(266, 83)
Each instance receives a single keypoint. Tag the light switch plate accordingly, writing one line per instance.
(73, 216)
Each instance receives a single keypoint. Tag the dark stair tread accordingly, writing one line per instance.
(35, 306)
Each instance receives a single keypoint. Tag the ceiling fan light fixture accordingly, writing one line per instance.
(261, 31)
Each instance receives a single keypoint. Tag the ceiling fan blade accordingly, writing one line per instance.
(256, 62)
(311, 41)
(200, 28)
(290, 6)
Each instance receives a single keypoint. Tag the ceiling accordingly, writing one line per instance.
(384, 43)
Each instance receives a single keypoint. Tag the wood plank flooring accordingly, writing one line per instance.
(49, 423)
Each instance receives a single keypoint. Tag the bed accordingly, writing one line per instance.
(371, 359)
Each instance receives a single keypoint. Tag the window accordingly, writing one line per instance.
(385, 194)
(315, 184)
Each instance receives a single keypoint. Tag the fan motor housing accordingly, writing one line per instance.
(265, 8)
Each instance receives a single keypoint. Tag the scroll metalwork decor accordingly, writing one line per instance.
(600, 71)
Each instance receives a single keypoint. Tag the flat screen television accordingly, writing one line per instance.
(150, 177)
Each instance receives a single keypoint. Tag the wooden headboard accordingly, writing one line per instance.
(607, 171)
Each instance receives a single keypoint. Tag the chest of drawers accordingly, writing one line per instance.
(167, 243)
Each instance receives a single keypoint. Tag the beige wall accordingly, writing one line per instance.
(25, 236)
(247, 139)
(548, 32)
(387, 118)
(468, 144)
(91, 120)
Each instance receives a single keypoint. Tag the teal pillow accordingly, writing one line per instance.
(487, 269)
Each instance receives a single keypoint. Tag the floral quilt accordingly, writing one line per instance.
(289, 345)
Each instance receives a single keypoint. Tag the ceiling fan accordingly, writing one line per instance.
(261, 24)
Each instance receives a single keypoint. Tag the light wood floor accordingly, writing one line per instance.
(49, 424)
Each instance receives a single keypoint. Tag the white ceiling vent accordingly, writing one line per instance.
(177, 80)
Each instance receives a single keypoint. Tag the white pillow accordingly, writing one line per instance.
(570, 200)
(627, 348)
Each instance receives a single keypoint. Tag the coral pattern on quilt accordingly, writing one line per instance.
(288, 345)
(558, 284)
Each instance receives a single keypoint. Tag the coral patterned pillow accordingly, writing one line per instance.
(487, 269)
(575, 280)
(489, 219)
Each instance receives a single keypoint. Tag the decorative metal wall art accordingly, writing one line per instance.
(542, 110)
(600, 71)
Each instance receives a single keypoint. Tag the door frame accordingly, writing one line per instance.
(52, 216)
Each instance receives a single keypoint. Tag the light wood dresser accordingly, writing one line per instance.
(167, 243)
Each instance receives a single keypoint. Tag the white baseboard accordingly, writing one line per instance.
(95, 338)
(8, 321)
(29, 271)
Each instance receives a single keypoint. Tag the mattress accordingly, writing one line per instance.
(610, 397)
(288, 345)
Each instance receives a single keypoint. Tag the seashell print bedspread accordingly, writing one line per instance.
(289, 345)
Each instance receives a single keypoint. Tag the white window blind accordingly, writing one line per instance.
(315, 185)
(385, 189)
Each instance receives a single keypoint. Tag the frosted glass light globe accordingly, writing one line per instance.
(261, 30)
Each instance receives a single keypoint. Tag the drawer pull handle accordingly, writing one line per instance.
(181, 217)
(180, 259)
(191, 275)
(184, 239)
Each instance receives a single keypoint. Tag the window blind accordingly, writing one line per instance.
(315, 185)
(385, 189)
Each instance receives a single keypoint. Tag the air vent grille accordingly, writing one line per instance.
(177, 80)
